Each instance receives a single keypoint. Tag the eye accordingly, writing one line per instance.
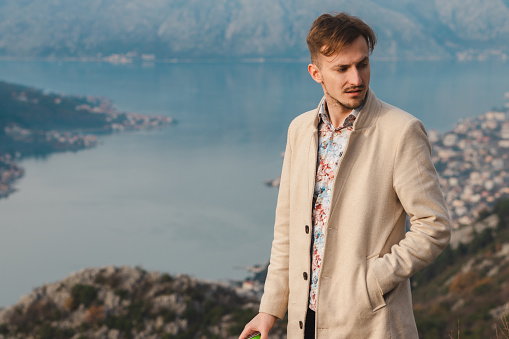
(342, 69)
(363, 64)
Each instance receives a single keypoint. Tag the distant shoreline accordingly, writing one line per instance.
(125, 59)
(34, 123)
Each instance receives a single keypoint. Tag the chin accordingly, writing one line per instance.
(354, 104)
(358, 103)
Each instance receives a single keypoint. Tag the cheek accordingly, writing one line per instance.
(336, 81)
(366, 76)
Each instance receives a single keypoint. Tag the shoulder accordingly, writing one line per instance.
(304, 122)
(301, 127)
(397, 121)
(392, 115)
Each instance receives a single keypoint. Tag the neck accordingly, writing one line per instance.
(337, 113)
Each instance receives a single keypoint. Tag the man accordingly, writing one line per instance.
(353, 168)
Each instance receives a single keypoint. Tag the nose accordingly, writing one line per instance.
(355, 77)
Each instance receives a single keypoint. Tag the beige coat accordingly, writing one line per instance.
(364, 288)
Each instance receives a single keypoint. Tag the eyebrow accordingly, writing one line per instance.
(348, 65)
(363, 60)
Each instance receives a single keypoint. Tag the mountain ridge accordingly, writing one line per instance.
(244, 29)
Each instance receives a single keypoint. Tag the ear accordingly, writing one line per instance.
(314, 71)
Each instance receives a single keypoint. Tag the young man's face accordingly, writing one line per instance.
(344, 76)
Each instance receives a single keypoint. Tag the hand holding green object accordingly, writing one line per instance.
(254, 336)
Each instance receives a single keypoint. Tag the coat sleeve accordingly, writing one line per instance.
(415, 182)
(275, 297)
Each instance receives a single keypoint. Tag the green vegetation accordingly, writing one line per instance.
(501, 209)
(166, 278)
(32, 109)
(27, 114)
(122, 293)
(46, 331)
(83, 295)
(481, 242)
(241, 317)
(446, 291)
(132, 303)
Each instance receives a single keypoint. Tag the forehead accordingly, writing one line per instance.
(351, 53)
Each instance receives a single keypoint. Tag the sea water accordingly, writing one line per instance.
(189, 198)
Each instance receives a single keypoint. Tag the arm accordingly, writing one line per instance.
(275, 297)
(416, 183)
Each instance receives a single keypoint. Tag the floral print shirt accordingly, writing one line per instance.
(331, 145)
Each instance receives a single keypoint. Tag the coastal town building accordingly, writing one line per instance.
(472, 161)
(473, 164)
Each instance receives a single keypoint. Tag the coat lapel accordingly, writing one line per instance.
(312, 156)
(312, 134)
(366, 119)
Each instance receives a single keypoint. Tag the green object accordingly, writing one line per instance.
(258, 336)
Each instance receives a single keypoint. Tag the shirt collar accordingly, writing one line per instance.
(324, 116)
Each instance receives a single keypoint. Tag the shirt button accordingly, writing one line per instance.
(305, 275)
(301, 324)
(307, 229)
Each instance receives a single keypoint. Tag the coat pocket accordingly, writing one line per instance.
(375, 295)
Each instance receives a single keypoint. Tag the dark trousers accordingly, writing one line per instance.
(310, 325)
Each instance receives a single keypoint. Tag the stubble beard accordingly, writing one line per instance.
(335, 101)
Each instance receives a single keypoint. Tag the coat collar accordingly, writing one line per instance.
(367, 116)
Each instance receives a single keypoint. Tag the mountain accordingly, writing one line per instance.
(126, 302)
(166, 29)
(465, 292)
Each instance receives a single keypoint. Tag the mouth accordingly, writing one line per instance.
(353, 92)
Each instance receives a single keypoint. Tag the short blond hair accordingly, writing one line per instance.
(329, 33)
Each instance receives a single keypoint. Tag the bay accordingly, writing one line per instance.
(189, 198)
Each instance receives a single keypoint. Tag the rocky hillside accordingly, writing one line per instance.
(408, 29)
(466, 289)
(124, 302)
(469, 282)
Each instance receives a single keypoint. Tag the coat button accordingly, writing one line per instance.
(307, 229)
(301, 324)
(305, 275)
